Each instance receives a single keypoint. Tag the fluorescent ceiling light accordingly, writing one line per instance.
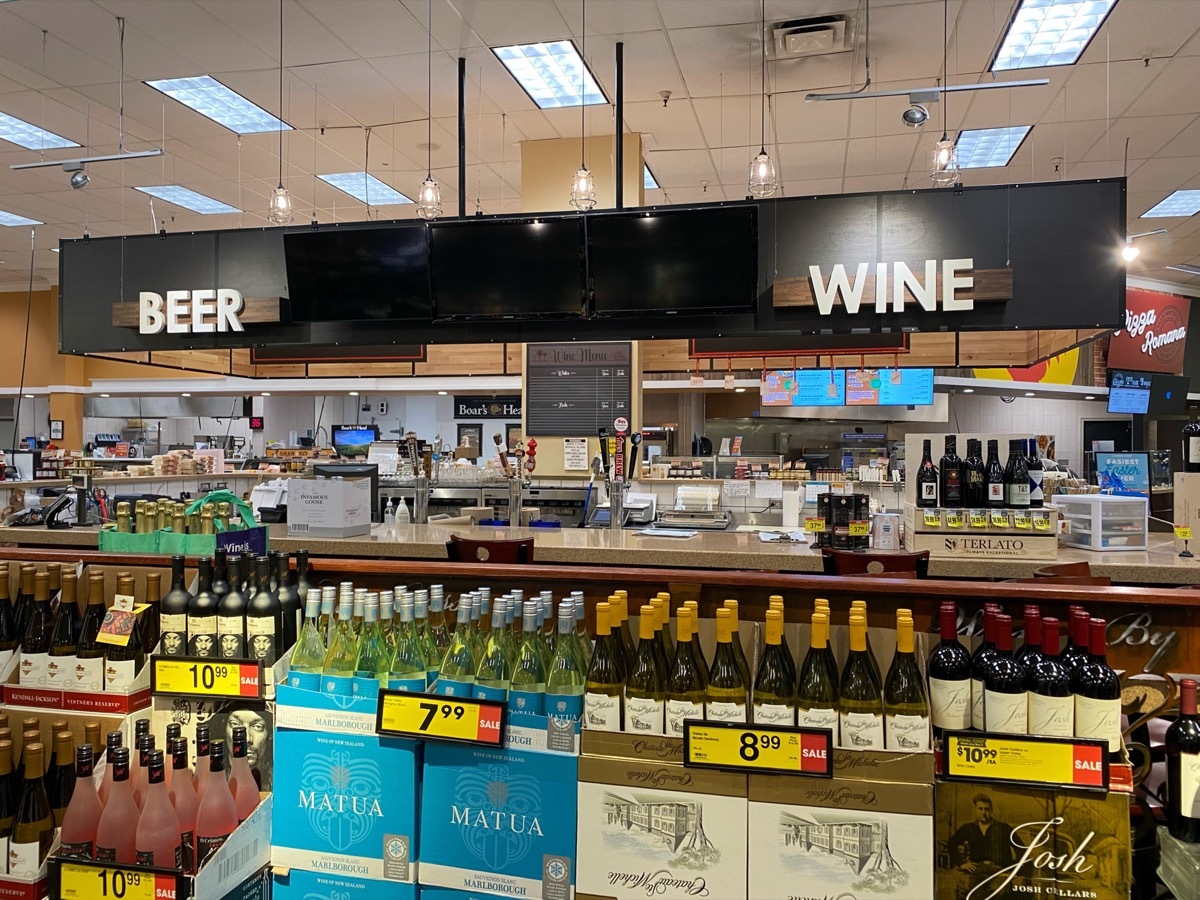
(188, 199)
(369, 190)
(648, 180)
(54, 250)
(19, 132)
(1049, 33)
(551, 73)
(10, 219)
(223, 105)
(1185, 267)
(1180, 203)
(980, 148)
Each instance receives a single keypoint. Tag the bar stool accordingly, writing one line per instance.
(460, 549)
(1058, 570)
(847, 562)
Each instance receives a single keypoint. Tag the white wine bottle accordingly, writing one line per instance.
(817, 688)
(605, 683)
(726, 691)
(860, 700)
(905, 704)
(776, 602)
(738, 652)
(685, 681)
(645, 688)
(774, 691)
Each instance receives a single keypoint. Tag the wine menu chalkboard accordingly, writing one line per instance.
(572, 390)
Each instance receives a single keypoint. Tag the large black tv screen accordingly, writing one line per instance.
(674, 262)
(511, 268)
(356, 274)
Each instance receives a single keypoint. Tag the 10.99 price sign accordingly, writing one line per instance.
(87, 880)
(1026, 759)
(194, 677)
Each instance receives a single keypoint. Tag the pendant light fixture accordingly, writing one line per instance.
(279, 210)
(762, 168)
(944, 171)
(583, 186)
(429, 198)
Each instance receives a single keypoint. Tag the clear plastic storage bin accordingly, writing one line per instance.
(1104, 521)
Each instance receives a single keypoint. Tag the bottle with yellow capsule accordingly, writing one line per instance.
(860, 699)
(686, 680)
(664, 619)
(774, 692)
(817, 687)
(727, 689)
(645, 687)
(660, 616)
(859, 607)
(604, 687)
(775, 601)
(905, 703)
(697, 649)
(738, 652)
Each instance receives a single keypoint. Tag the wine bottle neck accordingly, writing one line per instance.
(1187, 697)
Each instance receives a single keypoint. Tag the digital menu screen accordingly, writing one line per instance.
(777, 388)
(889, 387)
(1129, 392)
(804, 387)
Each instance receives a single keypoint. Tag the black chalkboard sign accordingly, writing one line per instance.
(572, 390)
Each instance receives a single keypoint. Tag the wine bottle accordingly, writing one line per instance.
(264, 617)
(605, 684)
(308, 656)
(112, 742)
(203, 770)
(116, 832)
(217, 814)
(950, 485)
(387, 618)
(144, 744)
(493, 674)
(686, 680)
(10, 638)
(437, 619)
(1005, 685)
(123, 662)
(231, 615)
(183, 797)
(423, 634)
(645, 692)
(1051, 703)
(927, 479)
(859, 607)
(860, 701)
(301, 583)
(33, 824)
(738, 653)
(374, 660)
(35, 644)
(173, 612)
(582, 639)
(220, 579)
(60, 777)
(994, 474)
(526, 695)
(456, 676)
(949, 668)
(774, 693)
(697, 649)
(359, 611)
(620, 629)
(1191, 446)
(725, 694)
(564, 678)
(664, 622)
(1183, 767)
(776, 602)
(410, 665)
(905, 704)
(1075, 653)
(157, 841)
(241, 780)
(82, 815)
(1031, 645)
(1033, 463)
(1097, 691)
(64, 639)
(979, 660)
(202, 614)
(817, 682)
(290, 605)
(23, 607)
(151, 617)
(821, 605)
(8, 795)
(974, 477)
(1016, 477)
(658, 617)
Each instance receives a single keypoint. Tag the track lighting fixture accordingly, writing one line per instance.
(915, 116)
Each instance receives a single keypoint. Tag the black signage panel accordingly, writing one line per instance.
(320, 353)
(487, 407)
(797, 345)
(573, 390)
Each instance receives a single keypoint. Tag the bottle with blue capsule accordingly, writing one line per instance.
(409, 667)
(565, 679)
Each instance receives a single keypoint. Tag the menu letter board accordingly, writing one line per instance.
(573, 390)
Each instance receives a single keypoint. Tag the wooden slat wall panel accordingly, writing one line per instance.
(1051, 342)
(997, 348)
(353, 370)
(297, 371)
(934, 349)
(514, 356)
(239, 364)
(462, 359)
(666, 356)
(216, 361)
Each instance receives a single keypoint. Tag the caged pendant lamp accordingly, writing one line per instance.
(583, 185)
(762, 168)
(944, 170)
(279, 208)
(429, 197)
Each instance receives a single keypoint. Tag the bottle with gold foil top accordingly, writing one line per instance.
(645, 688)
(726, 691)
(817, 684)
(65, 638)
(604, 686)
(774, 692)
(207, 525)
(686, 678)
(905, 703)
(738, 652)
(33, 823)
(124, 519)
(35, 645)
(860, 698)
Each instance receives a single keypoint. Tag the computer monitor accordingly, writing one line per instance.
(353, 470)
(354, 440)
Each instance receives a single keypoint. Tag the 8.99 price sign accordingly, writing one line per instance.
(758, 748)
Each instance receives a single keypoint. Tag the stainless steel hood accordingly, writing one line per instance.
(164, 407)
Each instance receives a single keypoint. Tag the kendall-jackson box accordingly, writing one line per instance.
(329, 507)
(649, 827)
(498, 821)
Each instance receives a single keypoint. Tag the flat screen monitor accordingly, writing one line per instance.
(1129, 392)
(353, 470)
(777, 388)
(1168, 394)
(803, 387)
(507, 268)
(680, 262)
(354, 440)
(358, 274)
(889, 387)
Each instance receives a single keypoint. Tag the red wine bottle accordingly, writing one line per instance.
(1075, 653)
(927, 480)
(950, 475)
(1183, 767)
(1031, 645)
(1005, 685)
(173, 612)
(1097, 692)
(1051, 703)
(994, 475)
(949, 670)
(978, 664)
(202, 614)
(974, 477)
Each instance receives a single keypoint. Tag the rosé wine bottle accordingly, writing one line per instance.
(200, 777)
(217, 815)
(118, 823)
(173, 731)
(183, 795)
(241, 779)
(83, 812)
(158, 840)
(145, 744)
(112, 742)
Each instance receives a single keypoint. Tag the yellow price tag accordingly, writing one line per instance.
(1025, 759)
(422, 716)
(978, 518)
(96, 881)
(814, 525)
(954, 519)
(192, 677)
(758, 748)
(999, 518)
(933, 519)
(1183, 532)
(860, 528)
(1041, 521)
(1022, 520)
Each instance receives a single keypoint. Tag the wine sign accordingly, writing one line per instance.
(1025, 759)
(781, 749)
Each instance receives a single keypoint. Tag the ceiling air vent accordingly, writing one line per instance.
(815, 36)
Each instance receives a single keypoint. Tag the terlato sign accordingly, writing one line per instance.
(487, 407)
(1155, 334)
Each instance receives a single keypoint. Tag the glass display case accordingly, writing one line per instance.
(1160, 469)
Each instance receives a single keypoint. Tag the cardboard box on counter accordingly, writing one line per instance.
(329, 507)
(297, 884)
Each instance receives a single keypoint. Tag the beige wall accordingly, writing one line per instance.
(547, 168)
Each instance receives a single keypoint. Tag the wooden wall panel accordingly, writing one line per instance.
(666, 356)
(514, 355)
(997, 348)
(462, 359)
(216, 361)
(359, 370)
(239, 364)
(293, 371)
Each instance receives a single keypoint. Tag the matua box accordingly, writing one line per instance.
(498, 821)
(813, 838)
(296, 884)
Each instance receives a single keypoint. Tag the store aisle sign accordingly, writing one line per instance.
(884, 288)
(1154, 338)
(487, 407)
(205, 311)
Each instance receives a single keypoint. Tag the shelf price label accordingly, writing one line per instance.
(814, 524)
(758, 748)
(954, 518)
(978, 518)
(860, 528)
(1026, 759)
(1183, 532)
(933, 519)
(433, 717)
(188, 676)
(1041, 521)
(1022, 520)
(999, 518)
(97, 881)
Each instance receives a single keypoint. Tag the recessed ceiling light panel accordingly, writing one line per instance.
(188, 199)
(1179, 204)
(1050, 33)
(368, 189)
(551, 74)
(649, 182)
(223, 105)
(10, 219)
(19, 132)
(980, 148)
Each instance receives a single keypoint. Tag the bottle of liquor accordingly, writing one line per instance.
(202, 614)
(645, 689)
(774, 693)
(725, 694)
(738, 652)
(82, 815)
(1076, 652)
(817, 684)
(184, 799)
(1016, 477)
(64, 640)
(33, 824)
(241, 780)
(116, 832)
(35, 644)
(493, 675)
(157, 841)
(1191, 446)
(527, 690)
(289, 603)
(123, 662)
(231, 615)
(949, 668)
(217, 815)
(605, 684)
(996, 496)
(1051, 703)
(1037, 496)
(1097, 691)
(686, 680)
(337, 674)
(974, 478)
(410, 665)
(860, 699)
(564, 678)
(23, 607)
(905, 704)
(950, 481)
(927, 480)
(308, 656)
(979, 660)
(220, 579)
(60, 777)
(1183, 767)
(1005, 685)
(8, 792)
(457, 674)
(173, 612)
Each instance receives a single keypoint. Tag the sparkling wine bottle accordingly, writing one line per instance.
(158, 841)
(116, 831)
(82, 815)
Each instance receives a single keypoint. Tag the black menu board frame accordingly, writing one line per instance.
(574, 389)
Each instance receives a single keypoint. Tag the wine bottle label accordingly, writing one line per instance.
(173, 628)
(410, 685)
(230, 640)
(565, 706)
(103, 854)
(601, 712)
(996, 492)
(1017, 494)
(450, 687)
(202, 636)
(58, 671)
(119, 674)
(950, 704)
(207, 846)
(678, 710)
(819, 718)
(311, 681)
(862, 731)
(525, 703)
(364, 686)
(146, 858)
(1189, 785)
(1099, 719)
(1035, 485)
(643, 716)
(337, 685)
(33, 669)
(725, 712)
(1006, 713)
(86, 674)
(261, 638)
(977, 704)
(24, 859)
(488, 692)
(774, 714)
(929, 490)
(1051, 716)
(1193, 449)
(187, 841)
(77, 849)
(907, 732)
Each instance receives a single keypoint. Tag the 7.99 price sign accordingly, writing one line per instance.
(433, 717)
